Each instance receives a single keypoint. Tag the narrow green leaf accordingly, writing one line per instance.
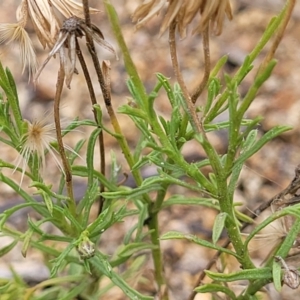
(166, 85)
(271, 134)
(44, 189)
(26, 242)
(178, 235)
(48, 202)
(276, 271)
(250, 274)
(143, 213)
(85, 204)
(8, 248)
(75, 224)
(13, 86)
(90, 154)
(183, 200)
(7, 213)
(293, 232)
(75, 291)
(213, 91)
(290, 238)
(100, 263)
(134, 92)
(132, 111)
(250, 140)
(218, 227)
(149, 185)
(5, 285)
(83, 171)
(214, 288)
(219, 65)
(132, 248)
(58, 262)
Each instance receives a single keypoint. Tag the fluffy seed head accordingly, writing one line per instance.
(38, 141)
(10, 33)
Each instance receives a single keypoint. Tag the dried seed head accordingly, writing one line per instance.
(290, 274)
(10, 33)
(37, 140)
(211, 11)
(65, 45)
(291, 278)
(43, 14)
(45, 20)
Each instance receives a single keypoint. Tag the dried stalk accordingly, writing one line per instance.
(199, 89)
(190, 105)
(65, 163)
(100, 137)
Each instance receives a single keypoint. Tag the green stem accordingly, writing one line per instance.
(232, 228)
(8, 85)
(226, 203)
(152, 211)
(244, 69)
(283, 251)
(129, 64)
(154, 230)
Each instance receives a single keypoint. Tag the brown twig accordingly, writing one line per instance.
(92, 50)
(107, 100)
(285, 197)
(66, 166)
(199, 89)
(190, 105)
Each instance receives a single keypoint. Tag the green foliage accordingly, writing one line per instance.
(78, 267)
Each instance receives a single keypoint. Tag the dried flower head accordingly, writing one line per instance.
(10, 33)
(72, 29)
(290, 274)
(45, 20)
(38, 141)
(184, 11)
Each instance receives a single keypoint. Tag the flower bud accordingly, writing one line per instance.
(86, 248)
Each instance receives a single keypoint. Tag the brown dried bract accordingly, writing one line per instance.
(211, 11)
(65, 45)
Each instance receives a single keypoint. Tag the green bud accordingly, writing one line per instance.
(86, 248)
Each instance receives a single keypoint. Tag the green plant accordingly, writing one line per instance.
(77, 270)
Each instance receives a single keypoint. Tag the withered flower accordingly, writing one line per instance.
(45, 21)
(184, 11)
(65, 45)
(290, 274)
(38, 140)
(43, 14)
